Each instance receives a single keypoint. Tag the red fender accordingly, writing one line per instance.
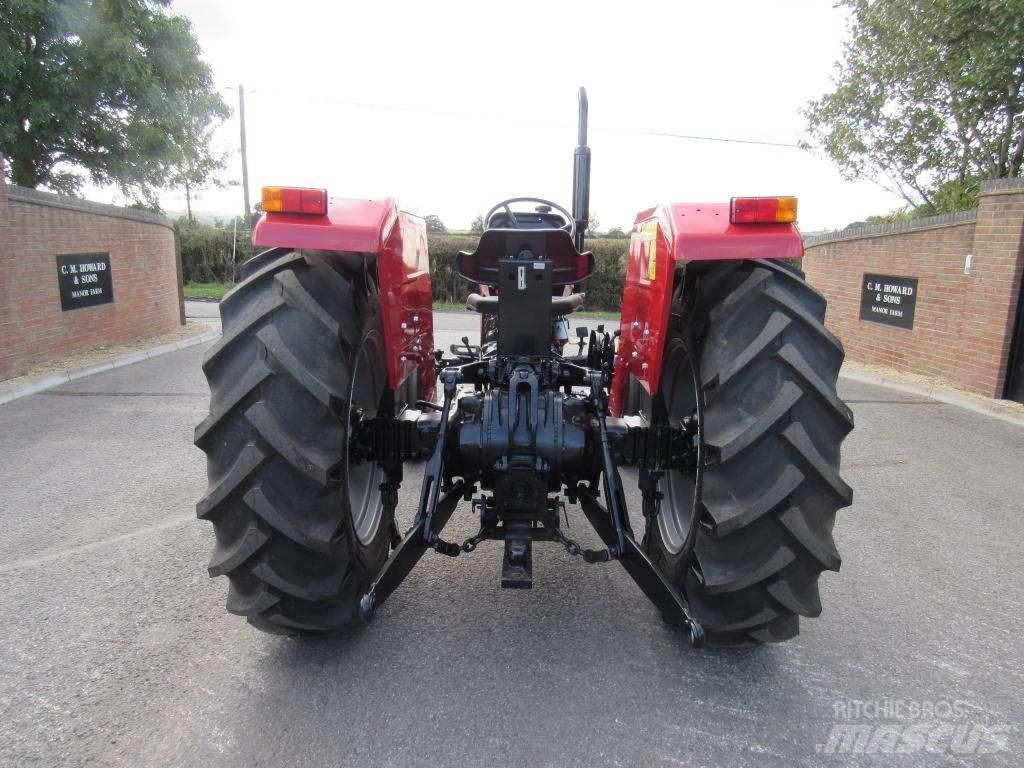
(661, 238)
(398, 240)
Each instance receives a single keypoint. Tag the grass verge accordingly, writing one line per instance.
(207, 290)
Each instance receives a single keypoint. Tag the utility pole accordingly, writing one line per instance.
(245, 159)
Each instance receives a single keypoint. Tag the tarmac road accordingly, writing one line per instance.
(116, 649)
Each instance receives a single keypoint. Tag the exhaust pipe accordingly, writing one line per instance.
(581, 174)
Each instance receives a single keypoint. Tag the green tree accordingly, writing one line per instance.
(616, 232)
(900, 214)
(929, 98)
(109, 90)
(435, 226)
(198, 164)
(593, 226)
(477, 227)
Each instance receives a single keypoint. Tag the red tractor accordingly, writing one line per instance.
(719, 388)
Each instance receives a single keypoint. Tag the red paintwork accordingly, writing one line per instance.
(673, 233)
(399, 241)
(350, 225)
(403, 269)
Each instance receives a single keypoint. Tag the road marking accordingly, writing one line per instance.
(31, 562)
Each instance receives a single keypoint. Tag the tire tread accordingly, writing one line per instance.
(274, 440)
(774, 425)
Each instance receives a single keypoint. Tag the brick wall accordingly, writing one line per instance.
(963, 324)
(37, 226)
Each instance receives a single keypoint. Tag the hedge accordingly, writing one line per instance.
(206, 252)
(206, 258)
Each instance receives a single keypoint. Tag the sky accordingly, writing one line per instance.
(453, 106)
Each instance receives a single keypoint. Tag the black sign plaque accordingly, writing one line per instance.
(888, 299)
(84, 280)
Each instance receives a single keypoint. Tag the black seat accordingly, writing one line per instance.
(568, 266)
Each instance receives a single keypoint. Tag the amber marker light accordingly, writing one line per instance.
(762, 210)
(294, 200)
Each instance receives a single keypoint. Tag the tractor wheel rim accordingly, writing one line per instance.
(680, 387)
(365, 477)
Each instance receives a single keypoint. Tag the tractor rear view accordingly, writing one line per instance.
(717, 391)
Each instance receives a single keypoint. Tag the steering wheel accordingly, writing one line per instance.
(505, 205)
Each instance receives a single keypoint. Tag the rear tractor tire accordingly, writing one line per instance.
(772, 429)
(299, 531)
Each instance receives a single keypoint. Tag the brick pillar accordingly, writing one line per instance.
(990, 302)
(7, 255)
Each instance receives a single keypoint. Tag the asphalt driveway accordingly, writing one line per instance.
(116, 649)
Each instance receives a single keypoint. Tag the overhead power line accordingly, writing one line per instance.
(665, 135)
(529, 121)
